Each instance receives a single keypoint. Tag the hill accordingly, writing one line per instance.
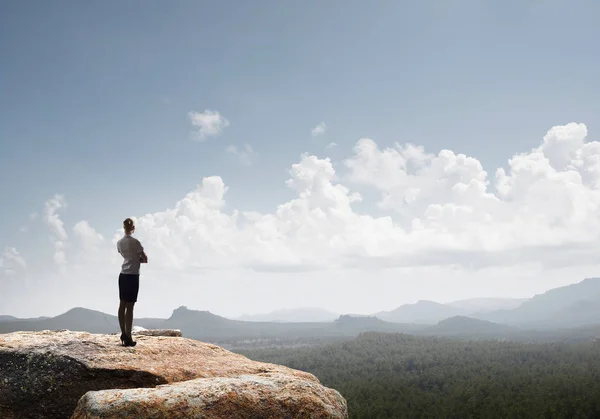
(574, 305)
(484, 305)
(206, 326)
(466, 327)
(423, 312)
(76, 319)
(372, 323)
(209, 327)
(308, 314)
(5, 318)
(570, 313)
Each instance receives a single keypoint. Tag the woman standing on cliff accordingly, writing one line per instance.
(129, 279)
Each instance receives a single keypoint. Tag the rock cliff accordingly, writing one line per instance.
(59, 374)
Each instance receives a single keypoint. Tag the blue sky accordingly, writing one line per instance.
(95, 96)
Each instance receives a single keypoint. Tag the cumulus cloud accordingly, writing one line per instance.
(245, 154)
(319, 129)
(545, 198)
(89, 238)
(442, 209)
(437, 210)
(331, 145)
(53, 221)
(87, 233)
(208, 123)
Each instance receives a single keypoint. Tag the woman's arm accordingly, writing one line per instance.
(143, 256)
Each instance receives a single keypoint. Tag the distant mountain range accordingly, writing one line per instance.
(430, 312)
(421, 312)
(4, 318)
(484, 305)
(467, 327)
(209, 327)
(78, 318)
(575, 305)
(7, 318)
(308, 314)
(570, 312)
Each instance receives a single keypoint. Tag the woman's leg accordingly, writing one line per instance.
(129, 318)
(122, 307)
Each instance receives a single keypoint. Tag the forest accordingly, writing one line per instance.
(394, 375)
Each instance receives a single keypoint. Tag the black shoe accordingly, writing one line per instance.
(129, 341)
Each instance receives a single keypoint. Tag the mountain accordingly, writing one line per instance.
(76, 319)
(371, 323)
(82, 319)
(4, 318)
(566, 313)
(422, 312)
(308, 314)
(580, 313)
(204, 325)
(431, 312)
(484, 305)
(574, 305)
(209, 327)
(462, 326)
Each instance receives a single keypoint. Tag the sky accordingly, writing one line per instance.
(353, 156)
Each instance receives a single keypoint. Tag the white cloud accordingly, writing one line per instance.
(90, 239)
(443, 210)
(319, 129)
(91, 249)
(547, 198)
(11, 262)
(331, 145)
(245, 154)
(209, 124)
(59, 235)
(442, 215)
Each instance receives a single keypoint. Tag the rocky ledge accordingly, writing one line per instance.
(62, 374)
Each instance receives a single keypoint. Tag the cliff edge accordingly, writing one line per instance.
(62, 374)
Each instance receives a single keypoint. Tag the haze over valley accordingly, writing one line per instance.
(567, 313)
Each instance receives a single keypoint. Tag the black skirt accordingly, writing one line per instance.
(129, 285)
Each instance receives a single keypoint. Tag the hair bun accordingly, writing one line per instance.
(128, 224)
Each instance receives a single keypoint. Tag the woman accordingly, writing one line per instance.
(129, 279)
